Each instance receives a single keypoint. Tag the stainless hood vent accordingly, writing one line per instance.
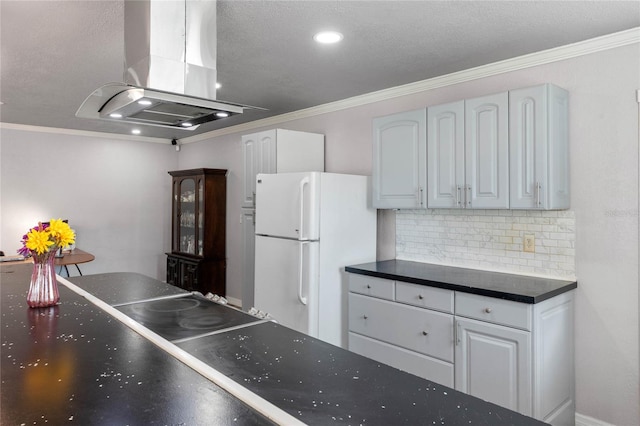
(170, 72)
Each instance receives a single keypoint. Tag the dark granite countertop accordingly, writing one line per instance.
(519, 288)
(76, 363)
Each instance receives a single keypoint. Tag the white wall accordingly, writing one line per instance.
(604, 174)
(115, 193)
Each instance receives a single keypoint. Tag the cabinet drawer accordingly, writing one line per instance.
(425, 297)
(371, 286)
(498, 311)
(421, 330)
(403, 359)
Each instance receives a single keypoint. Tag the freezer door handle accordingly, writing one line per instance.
(301, 298)
(303, 182)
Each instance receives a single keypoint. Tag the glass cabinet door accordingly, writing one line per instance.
(186, 242)
(200, 218)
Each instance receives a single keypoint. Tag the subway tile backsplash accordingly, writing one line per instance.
(489, 239)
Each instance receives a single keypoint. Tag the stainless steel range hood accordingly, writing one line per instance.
(170, 68)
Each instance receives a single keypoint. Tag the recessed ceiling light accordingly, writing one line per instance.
(222, 114)
(115, 115)
(144, 102)
(328, 37)
(218, 85)
(136, 131)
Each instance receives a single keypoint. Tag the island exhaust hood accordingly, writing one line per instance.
(170, 68)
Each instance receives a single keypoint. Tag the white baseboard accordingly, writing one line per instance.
(582, 420)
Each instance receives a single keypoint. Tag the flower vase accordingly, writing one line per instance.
(43, 290)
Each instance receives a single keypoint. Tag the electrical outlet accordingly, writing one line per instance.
(529, 243)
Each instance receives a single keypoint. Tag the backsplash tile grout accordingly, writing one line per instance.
(489, 240)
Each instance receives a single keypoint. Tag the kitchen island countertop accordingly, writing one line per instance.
(75, 363)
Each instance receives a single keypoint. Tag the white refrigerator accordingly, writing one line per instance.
(309, 226)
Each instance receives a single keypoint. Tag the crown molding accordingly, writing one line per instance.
(60, 131)
(586, 47)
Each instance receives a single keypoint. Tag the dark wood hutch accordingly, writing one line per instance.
(197, 261)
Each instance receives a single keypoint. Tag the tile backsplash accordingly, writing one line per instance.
(489, 239)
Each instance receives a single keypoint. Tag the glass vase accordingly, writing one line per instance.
(43, 290)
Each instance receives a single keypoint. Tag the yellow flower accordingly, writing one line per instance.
(61, 232)
(38, 241)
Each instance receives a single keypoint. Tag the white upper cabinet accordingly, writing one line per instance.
(500, 151)
(487, 151)
(468, 154)
(399, 160)
(279, 151)
(445, 154)
(539, 148)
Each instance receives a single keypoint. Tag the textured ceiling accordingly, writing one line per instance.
(55, 53)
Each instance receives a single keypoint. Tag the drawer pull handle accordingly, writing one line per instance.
(365, 317)
(424, 333)
(420, 297)
(487, 310)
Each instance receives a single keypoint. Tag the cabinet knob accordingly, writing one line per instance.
(487, 310)
(365, 317)
(420, 297)
(424, 333)
(368, 286)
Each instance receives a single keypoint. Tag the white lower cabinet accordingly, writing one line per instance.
(493, 362)
(516, 355)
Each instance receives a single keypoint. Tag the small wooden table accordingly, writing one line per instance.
(73, 257)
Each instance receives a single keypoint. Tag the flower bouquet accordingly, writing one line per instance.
(41, 243)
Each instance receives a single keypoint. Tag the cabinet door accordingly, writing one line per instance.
(173, 271)
(538, 147)
(250, 157)
(248, 258)
(399, 160)
(189, 275)
(185, 234)
(493, 362)
(267, 146)
(445, 155)
(487, 152)
(259, 154)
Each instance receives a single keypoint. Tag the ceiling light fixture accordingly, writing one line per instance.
(222, 114)
(144, 102)
(136, 131)
(115, 115)
(186, 124)
(328, 37)
(218, 85)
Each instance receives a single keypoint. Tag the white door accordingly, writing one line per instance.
(287, 205)
(250, 156)
(493, 362)
(286, 282)
(445, 156)
(248, 257)
(487, 151)
(400, 160)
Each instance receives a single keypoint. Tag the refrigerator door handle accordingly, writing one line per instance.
(302, 299)
(303, 182)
